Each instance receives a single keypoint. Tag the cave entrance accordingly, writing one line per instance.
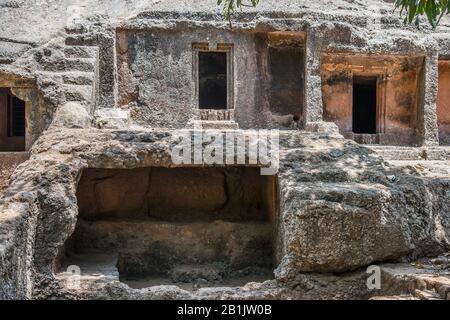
(191, 227)
(365, 105)
(213, 88)
(12, 122)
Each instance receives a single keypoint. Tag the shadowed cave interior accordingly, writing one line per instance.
(192, 227)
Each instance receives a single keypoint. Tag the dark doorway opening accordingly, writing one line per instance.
(12, 122)
(16, 117)
(365, 105)
(212, 80)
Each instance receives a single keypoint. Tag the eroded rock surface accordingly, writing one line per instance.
(359, 211)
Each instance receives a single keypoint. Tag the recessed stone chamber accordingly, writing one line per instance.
(193, 227)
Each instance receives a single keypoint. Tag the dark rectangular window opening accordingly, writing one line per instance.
(16, 117)
(213, 86)
(365, 105)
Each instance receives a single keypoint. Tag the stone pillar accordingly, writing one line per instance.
(428, 126)
(313, 110)
(107, 87)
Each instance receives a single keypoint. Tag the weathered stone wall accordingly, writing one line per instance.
(179, 194)
(341, 30)
(156, 77)
(156, 73)
(341, 208)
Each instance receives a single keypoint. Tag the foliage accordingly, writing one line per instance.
(230, 6)
(434, 10)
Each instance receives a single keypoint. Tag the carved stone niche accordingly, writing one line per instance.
(373, 99)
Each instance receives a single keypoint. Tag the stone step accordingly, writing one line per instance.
(76, 29)
(218, 125)
(438, 153)
(331, 163)
(78, 78)
(54, 76)
(78, 93)
(216, 115)
(355, 194)
(426, 282)
(80, 52)
(427, 295)
(80, 64)
(400, 153)
(81, 40)
(57, 65)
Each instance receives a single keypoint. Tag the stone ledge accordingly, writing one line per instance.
(218, 125)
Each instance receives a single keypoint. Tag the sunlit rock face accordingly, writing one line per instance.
(93, 100)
